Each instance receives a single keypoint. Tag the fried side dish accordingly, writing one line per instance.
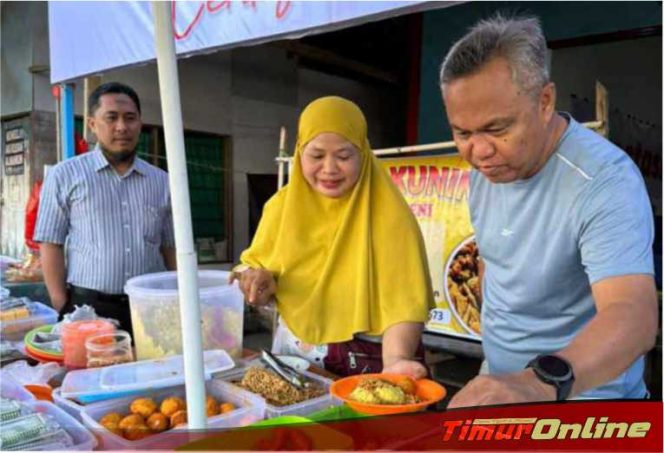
(274, 389)
(378, 391)
(464, 285)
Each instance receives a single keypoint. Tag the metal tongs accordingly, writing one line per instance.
(286, 372)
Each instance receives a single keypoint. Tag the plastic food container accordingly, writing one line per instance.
(11, 389)
(108, 349)
(98, 384)
(39, 315)
(248, 409)
(74, 336)
(82, 438)
(155, 314)
(302, 408)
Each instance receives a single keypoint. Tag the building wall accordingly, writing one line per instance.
(16, 56)
(560, 21)
(631, 71)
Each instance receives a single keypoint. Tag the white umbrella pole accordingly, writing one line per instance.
(190, 314)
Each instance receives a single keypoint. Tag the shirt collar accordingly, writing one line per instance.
(100, 162)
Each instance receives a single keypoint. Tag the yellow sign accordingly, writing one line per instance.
(436, 189)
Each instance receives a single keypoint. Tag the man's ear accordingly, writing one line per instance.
(92, 125)
(547, 101)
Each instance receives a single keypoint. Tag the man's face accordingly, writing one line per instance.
(117, 125)
(331, 164)
(498, 128)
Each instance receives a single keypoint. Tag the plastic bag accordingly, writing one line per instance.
(25, 374)
(80, 313)
(31, 216)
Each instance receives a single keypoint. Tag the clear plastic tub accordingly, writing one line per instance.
(83, 439)
(77, 437)
(155, 313)
(248, 409)
(115, 381)
(40, 314)
(11, 389)
(74, 336)
(108, 349)
(302, 408)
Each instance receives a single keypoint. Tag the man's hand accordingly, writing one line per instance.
(408, 367)
(521, 387)
(257, 285)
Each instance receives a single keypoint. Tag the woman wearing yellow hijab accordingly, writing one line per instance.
(338, 246)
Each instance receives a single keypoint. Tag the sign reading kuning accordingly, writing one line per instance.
(436, 189)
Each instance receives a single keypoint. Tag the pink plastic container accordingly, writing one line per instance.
(73, 340)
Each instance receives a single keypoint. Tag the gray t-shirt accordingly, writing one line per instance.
(584, 217)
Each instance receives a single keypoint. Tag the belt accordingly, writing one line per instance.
(98, 295)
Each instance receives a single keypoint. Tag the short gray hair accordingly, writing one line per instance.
(518, 40)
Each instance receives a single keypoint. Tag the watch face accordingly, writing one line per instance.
(553, 365)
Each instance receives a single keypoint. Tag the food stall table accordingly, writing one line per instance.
(35, 291)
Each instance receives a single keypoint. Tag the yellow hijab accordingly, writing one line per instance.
(347, 265)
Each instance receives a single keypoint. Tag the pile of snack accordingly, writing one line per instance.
(21, 428)
(28, 270)
(14, 308)
(18, 315)
(274, 389)
(146, 417)
(379, 391)
(463, 284)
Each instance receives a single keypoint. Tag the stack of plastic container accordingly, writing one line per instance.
(28, 424)
(20, 315)
(74, 336)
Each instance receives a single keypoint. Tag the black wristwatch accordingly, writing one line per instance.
(555, 371)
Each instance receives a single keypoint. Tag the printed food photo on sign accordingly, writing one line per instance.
(463, 285)
(436, 189)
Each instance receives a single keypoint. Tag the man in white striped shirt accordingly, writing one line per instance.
(107, 211)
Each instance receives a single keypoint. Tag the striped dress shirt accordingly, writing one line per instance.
(112, 226)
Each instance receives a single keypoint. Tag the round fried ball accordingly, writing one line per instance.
(111, 424)
(137, 432)
(407, 385)
(179, 418)
(158, 422)
(211, 406)
(143, 406)
(226, 407)
(171, 405)
(131, 421)
(111, 417)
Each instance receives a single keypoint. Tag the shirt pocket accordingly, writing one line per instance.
(152, 224)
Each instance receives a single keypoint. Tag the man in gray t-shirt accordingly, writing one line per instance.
(563, 225)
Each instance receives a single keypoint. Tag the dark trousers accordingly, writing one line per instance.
(114, 306)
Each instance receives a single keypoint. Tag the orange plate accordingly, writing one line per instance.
(429, 392)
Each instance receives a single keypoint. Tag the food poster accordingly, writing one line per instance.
(436, 189)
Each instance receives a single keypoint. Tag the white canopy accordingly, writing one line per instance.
(90, 37)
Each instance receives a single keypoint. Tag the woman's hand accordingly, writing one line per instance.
(257, 285)
(408, 367)
(400, 343)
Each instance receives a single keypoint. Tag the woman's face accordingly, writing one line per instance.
(331, 164)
